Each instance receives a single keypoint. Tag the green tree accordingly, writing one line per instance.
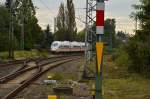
(81, 36)
(70, 20)
(48, 37)
(25, 14)
(61, 24)
(33, 33)
(4, 28)
(139, 45)
(109, 36)
(66, 24)
(4, 19)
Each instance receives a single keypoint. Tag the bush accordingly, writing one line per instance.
(121, 57)
(139, 53)
(58, 76)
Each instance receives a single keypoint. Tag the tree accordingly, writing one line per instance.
(66, 25)
(48, 37)
(28, 23)
(122, 38)
(4, 28)
(25, 20)
(24, 13)
(33, 33)
(139, 45)
(109, 35)
(71, 23)
(61, 24)
(81, 36)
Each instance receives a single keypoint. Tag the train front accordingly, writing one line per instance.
(55, 46)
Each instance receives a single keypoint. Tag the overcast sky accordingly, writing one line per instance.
(118, 9)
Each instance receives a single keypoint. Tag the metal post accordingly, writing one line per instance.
(55, 24)
(86, 33)
(90, 8)
(100, 6)
(22, 25)
(11, 35)
(136, 24)
(111, 38)
(90, 20)
(10, 50)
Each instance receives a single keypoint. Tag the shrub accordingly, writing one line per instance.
(139, 54)
(121, 57)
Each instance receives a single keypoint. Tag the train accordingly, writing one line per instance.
(67, 46)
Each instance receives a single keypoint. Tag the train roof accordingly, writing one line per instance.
(74, 43)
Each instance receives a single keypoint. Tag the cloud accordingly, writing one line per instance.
(46, 14)
(118, 9)
(46, 17)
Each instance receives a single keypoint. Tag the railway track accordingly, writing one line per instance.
(26, 68)
(40, 70)
(16, 62)
(24, 61)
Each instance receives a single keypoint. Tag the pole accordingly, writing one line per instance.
(136, 24)
(55, 24)
(111, 37)
(100, 6)
(86, 33)
(11, 35)
(22, 25)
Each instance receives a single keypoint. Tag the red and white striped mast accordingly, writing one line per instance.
(100, 9)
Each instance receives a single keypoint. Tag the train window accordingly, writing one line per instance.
(76, 46)
(83, 46)
(64, 46)
(60, 46)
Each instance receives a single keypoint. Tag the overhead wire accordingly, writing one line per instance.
(44, 4)
(50, 9)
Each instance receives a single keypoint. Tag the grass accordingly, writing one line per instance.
(24, 54)
(119, 84)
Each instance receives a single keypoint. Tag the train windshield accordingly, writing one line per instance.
(55, 44)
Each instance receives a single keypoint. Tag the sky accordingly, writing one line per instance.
(118, 9)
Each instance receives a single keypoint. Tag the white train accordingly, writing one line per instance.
(66, 46)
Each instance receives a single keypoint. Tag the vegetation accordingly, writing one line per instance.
(25, 54)
(121, 38)
(4, 19)
(109, 35)
(134, 52)
(48, 37)
(66, 24)
(138, 48)
(33, 33)
(58, 76)
(118, 83)
(81, 36)
(70, 21)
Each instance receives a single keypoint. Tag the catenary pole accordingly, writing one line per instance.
(22, 24)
